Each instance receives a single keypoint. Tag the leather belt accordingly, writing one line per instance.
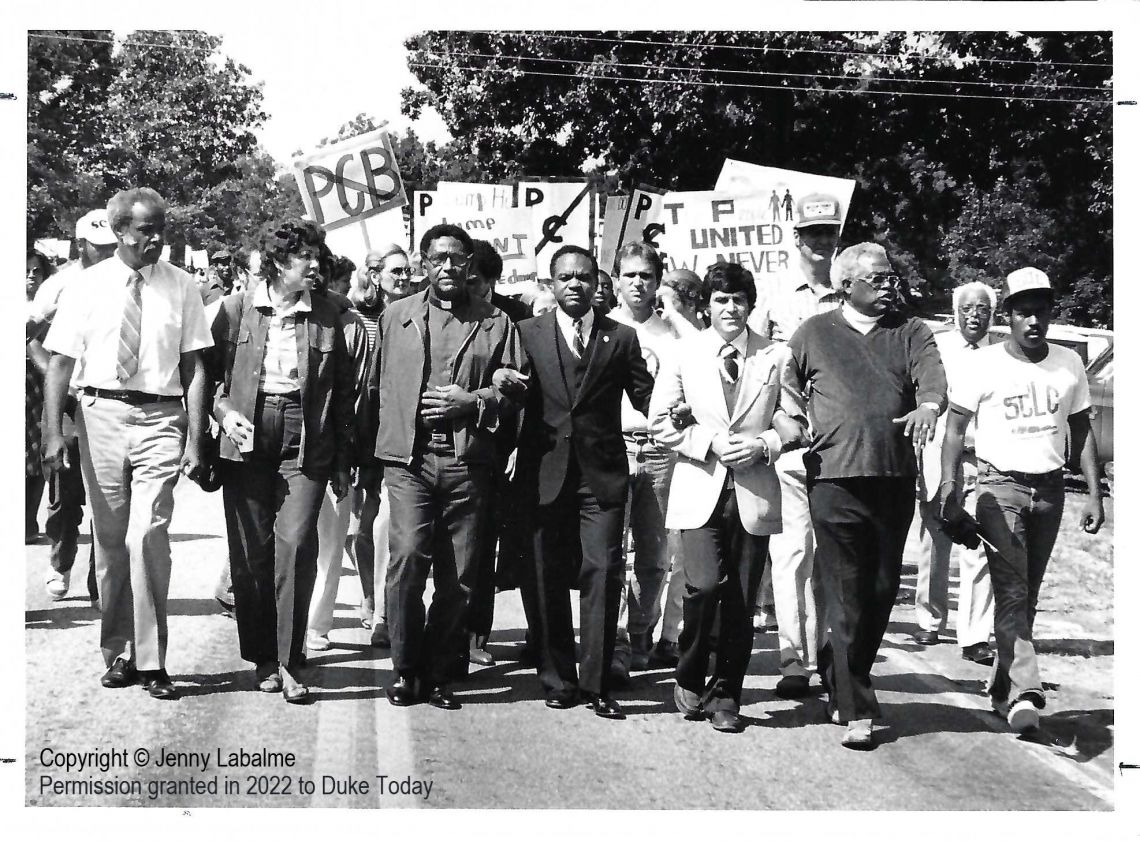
(1021, 476)
(134, 398)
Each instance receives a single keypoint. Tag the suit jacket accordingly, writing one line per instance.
(693, 376)
(557, 424)
(396, 378)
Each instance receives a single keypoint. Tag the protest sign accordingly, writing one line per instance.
(612, 222)
(748, 219)
(562, 214)
(641, 223)
(355, 241)
(347, 184)
(478, 197)
(508, 229)
(58, 249)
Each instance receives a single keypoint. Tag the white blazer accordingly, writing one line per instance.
(692, 375)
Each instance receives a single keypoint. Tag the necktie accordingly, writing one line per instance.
(579, 338)
(731, 367)
(971, 346)
(130, 332)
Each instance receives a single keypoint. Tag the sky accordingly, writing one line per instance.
(307, 103)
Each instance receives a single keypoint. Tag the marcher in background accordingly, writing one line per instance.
(789, 299)
(1029, 399)
(135, 330)
(679, 301)
(334, 523)
(725, 496)
(876, 387)
(650, 463)
(502, 526)
(604, 298)
(436, 356)
(385, 277)
(571, 462)
(95, 242)
(974, 305)
(285, 404)
(39, 268)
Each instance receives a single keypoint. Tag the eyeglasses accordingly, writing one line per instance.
(436, 261)
(976, 309)
(883, 281)
(402, 271)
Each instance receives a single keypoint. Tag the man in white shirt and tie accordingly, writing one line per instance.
(132, 334)
(974, 305)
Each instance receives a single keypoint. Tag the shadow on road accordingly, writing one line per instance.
(1076, 647)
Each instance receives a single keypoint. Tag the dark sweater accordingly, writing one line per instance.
(857, 384)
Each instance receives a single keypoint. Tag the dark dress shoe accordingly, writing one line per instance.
(480, 657)
(401, 693)
(122, 673)
(979, 652)
(562, 700)
(727, 721)
(158, 685)
(442, 699)
(604, 707)
(380, 636)
(926, 637)
(793, 686)
(666, 653)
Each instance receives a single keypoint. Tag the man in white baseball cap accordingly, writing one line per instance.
(95, 242)
(1029, 399)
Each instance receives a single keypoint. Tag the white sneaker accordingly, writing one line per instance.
(317, 642)
(1023, 717)
(57, 584)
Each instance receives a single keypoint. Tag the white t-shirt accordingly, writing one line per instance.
(1022, 408)
(657, 341)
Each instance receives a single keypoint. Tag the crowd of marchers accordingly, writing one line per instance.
(687, 453)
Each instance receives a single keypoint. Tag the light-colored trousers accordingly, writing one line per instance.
(932, 586)
(795, 586)
(332, 532)
(130, 456)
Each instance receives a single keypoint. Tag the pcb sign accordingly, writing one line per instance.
(350, 181)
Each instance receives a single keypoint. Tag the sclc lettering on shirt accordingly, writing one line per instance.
(1029, 404)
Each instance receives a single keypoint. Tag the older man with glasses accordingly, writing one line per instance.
(973, 312)
(876, 387)
(436, 353)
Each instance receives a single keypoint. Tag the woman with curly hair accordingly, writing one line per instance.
(285, 404)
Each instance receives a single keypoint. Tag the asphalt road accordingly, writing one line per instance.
(940, 746)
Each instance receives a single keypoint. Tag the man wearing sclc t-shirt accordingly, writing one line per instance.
(1026, 395)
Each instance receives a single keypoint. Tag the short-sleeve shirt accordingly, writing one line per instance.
(658, 342)
(1022, 408)
(90, 316)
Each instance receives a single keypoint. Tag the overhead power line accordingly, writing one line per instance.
(123, 43)
(697, 83)
(754, 48)
(846, 77)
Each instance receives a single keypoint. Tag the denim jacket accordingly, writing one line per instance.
(324, 367)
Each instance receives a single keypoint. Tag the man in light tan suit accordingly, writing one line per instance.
(725, 495)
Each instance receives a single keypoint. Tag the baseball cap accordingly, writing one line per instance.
(817, 209)
(95, 228)
(1025, 280)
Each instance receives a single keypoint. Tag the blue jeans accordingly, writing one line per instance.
(1020, 514)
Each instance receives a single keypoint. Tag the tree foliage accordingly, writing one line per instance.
(928, 167)
(162, 109)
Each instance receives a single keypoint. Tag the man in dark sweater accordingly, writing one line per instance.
(875, 387)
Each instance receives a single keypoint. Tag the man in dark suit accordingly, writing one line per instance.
(571, 457)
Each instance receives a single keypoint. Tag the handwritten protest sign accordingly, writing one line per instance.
(508, 229)
(562, 214)
(478, 197)
(748, 219)
(350, 182)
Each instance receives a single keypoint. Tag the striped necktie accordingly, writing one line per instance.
(130, 332)
(579, 338)
(728, 354)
